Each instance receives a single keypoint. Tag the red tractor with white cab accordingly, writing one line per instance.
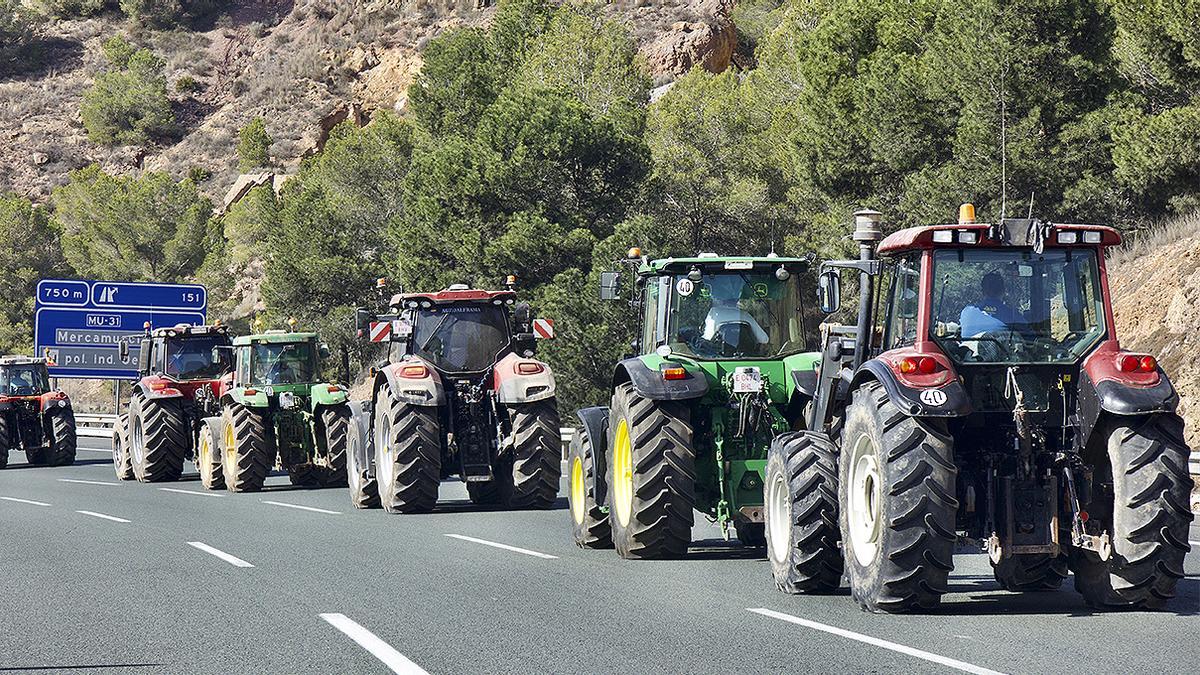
(458, 394)
(981, 401)
(184, 370)
(34, 417)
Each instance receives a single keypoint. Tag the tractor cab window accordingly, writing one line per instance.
(461, 338)
(729, 315)
(191, 358)
(901, 327)
(24, 380)
(1016, 305)
(282, 363)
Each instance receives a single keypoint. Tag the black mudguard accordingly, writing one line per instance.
(805, 381)
(917, 402)
(1116, 398)
(595, 425)
(650, 384)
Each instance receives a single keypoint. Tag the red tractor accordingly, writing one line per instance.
(459, 394)
(34, 417)
(184, 372)
(982, 400)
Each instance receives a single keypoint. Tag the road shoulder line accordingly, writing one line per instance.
(394, 660)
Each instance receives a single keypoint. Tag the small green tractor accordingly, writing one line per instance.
(34, 417)
(276, 414)
(720, 369)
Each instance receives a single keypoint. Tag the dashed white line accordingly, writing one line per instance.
(24, 501)
(231, 559)
(101, 515)
(302, 508)
(193, 492)
(841, 632)
(506, 547)
(107, 452)
(85, 482)
(394, 660)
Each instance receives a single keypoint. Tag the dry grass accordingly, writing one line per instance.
(1140, 243)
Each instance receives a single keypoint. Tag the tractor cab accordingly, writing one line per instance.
(33, 416)
(183, 353)
(23, 377)
(278, 359)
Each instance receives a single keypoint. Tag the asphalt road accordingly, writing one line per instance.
(103, 576)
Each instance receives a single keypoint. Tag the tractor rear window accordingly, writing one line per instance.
(1016, 305)
(461, 338)
(192, 359)
(27, 380)
(282, 363)
(748, 316)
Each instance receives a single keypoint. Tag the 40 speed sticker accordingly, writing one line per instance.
(933, 397)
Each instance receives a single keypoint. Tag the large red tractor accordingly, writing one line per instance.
(184, 370)
(982, 399)
(34, 417)
(459, 394)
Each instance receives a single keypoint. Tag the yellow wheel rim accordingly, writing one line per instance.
(205, 455)
(230, 450)
(623, 474)
(578, 492)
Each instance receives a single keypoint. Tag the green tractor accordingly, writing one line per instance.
(720, 370)
(276, 413)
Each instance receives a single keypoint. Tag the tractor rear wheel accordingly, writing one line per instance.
(336, 421)
(408, 454)
(1150, 516)
(537, 455)
(5, 440)
(210, 459)
(63, 442)
(248, 452)
(120, 449)
(589, 522)
(896, 486)
(1030, 573)
(364, 489)
(158, 438)
(651, 476)
(801, 511)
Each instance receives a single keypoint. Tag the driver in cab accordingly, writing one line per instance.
(725, 313)
(991, 314)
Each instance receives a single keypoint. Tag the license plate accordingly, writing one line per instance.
(747, 380)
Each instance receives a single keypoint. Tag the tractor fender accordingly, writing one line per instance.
(156, 388)
(1114, 397)
(595, 426)
(650, 383)
(805, 381)
(54, 400)
(952, 401)
(239, 395)
(326, 394)
(513, 386)
(426, 391)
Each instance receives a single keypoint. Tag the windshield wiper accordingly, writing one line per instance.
(434, 333)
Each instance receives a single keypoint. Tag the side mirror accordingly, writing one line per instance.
(216, 355)
(610, 285)
(362, 319)
(522, 314)
(323, 350)
(144, 357)
(829, 291)
(123, 350)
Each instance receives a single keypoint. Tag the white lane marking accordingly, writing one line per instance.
(935, 658)
(506, 547)
(193, 492)
(302, 508)
(394, 660)
(24, 501)
(107, 452)
(231, 559)
(1194, 543)
(85, 482)
(101, 515)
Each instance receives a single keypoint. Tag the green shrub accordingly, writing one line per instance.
(66, 9)
(128, 104)
(187, 84)
(17, 25)
(254, 145)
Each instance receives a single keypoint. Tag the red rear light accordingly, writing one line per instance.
(1129, 363)
(251, 392)
(926, 365)
(1147, 364)
(333, 388)
(528, 368)
(414, 372)
(674, 373)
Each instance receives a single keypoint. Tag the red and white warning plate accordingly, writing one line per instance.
(381, 331)
(543, 328)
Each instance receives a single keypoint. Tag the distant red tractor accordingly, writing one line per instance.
(184, 372)
(34, 417)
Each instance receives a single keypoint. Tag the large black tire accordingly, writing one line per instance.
(1031, 572)
(408, 454)
(5, 440)
(249, 453)
(122, 464)
(1148, 517)
(63, 442)
(800, 506)
(328, 470)
(364, 488)
(158, 438)
(589, 522)
(651, 508)
(537, 455)
(896, 485)
(210, 455)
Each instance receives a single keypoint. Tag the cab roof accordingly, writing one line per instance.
(1009, 232)
(663, 265)
(188, 330)
(19, 360)
(454, 294)
(274, 337)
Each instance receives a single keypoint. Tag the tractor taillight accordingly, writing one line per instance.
(918, 364)
(674, 373)
(1137, 363)
(333, 389)
(414, 372)
(528, 368)
(251, 392)
(1147, 364)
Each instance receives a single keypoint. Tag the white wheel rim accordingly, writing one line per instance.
(135, 446)
(383, 455)
(779, 517)
(865, 490)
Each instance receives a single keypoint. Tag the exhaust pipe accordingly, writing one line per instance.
(867, 232)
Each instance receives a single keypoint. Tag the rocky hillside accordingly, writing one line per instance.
(303, 65)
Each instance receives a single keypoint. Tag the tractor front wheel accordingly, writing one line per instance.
(6, 440)
(210, 459)
(248, 453)
(158, 438)
(408, 454)
(589, 522)
(1150, 516)
(120, 449)
(651, 476)
(364, 489)
(63, 442)
(896, 486)
(537, 453)
(801, 511)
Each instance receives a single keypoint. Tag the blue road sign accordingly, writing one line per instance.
(82, 323)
